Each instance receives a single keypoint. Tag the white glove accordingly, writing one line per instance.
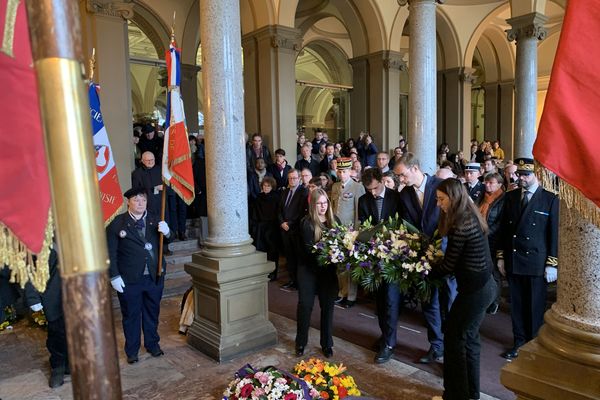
(551, 274)
(36, 307)
(118, 284)
(163, 228)
(500, 264)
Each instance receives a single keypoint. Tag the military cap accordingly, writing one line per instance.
(473, 166)
(524, 165)
(134, 192)
(344, 163)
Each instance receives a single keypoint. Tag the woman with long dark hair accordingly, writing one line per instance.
(315, 279)
(468, 258)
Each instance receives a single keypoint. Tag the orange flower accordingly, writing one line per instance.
(336, 381)
(343, 392)
(324, 395)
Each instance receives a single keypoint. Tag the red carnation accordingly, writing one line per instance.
(342, 392)
(290, 396)
(246, 390)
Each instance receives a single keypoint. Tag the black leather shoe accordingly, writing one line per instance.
(157, 353)
(511, 354)
(384, 355)
(492, 309)
(290, 285)
(348, 303)
(299, 351)
(132, 359)
(339, 300)
(272, 276)
(432, 356)
(57, 377)
(327, 352)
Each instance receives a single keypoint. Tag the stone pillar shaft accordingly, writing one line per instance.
(422, 107)
(457, 103)
(224, 123)
(189, 92)
(526, 30)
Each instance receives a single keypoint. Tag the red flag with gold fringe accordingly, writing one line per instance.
(25, 217)
(567, 142)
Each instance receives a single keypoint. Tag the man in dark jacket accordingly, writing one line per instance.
(133, 242)
(148, 177)
(473, 183)
(528, 252)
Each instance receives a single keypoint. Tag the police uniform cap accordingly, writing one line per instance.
(344, 163)
(473, 166)
(525, 165)
(134, 192)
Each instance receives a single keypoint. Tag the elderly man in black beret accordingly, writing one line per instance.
(133, 241)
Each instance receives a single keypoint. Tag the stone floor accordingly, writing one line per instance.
(185, 373)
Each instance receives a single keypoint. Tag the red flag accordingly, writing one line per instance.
(177, 162)
(25, 219)
(568, 141)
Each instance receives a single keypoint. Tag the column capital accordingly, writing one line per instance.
(390, 59)
(527, 26)
(280, 37)
(467, 75)
(402, 3)
(190, 69)
(123, 9)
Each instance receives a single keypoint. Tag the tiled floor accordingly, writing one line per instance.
(185, 373)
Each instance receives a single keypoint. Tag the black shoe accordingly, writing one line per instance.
(157, 352)
(290, 285)
(348, 304)
(327, 352)
(57, 377)
(339, 300)
(132, 359)
(511, 354)
(432, 356)
(182, 236)
(384, 355)
(299, 351)
(492, 309)
(272, 276)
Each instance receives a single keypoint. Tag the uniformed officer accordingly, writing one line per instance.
(344, 202)
(475, 188)
(133, 242)
(528, 249)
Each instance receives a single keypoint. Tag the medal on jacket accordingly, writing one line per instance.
(148, 246)
(122, 234)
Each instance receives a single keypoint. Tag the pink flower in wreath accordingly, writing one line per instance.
(290, 396)
(262, 377)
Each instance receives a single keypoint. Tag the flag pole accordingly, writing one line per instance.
(57, 52)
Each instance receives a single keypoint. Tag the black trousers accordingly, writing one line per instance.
(388, 301)
(321, 282)
(291, 245)
(56, 343)
(461, 343)
(527, 306)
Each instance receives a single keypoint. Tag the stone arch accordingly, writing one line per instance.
(398, 25)
(136, 96)
(261, 13)
(449, 50)
(191, 35)
(485, 24)
(334, 60)
(153, 26)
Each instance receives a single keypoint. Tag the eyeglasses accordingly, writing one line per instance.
(322, 203)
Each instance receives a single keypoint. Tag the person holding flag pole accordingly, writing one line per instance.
(176, 162)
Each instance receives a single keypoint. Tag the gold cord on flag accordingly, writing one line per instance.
(570, 196)
(20, 261)
(92, 64)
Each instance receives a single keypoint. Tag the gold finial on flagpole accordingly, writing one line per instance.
(92, 64)
(173, 27)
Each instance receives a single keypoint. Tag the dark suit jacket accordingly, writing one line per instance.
(148, 178)
(126, 251)
(367, 206)
(313, 166)
(426, 219)
(324, 164)
(529, 238)
(296, 210)
(280, 176)
(494, 221)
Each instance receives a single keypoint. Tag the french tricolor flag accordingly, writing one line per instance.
(108, 180)
(177, 162)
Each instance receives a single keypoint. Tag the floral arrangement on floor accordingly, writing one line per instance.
(329, 380)
(392, 251)
(268, 384)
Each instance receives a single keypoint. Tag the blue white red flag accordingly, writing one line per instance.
(108, 180)
(177, 162)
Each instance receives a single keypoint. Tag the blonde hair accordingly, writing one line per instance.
(314, 216)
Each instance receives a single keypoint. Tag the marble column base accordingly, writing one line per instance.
(539, 374)
(231, 304)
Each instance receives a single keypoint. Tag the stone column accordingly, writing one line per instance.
(491, 98)
(270, 76)
(359, 95)
(458, 83)
(229, 276)
(526, 30)
(506, 118)
(110, 38)
(563, 362)
(422, 75)
(189, 92)
(384, 97)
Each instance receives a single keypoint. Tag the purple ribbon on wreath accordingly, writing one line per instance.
(248, 369)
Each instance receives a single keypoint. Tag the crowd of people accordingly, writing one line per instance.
(497, 223)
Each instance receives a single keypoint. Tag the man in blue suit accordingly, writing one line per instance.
(418, 206)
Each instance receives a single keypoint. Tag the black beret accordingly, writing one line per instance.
(134, 192)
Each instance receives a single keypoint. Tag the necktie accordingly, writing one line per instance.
(524, 200)
(289, 198)
(379, 204)
(420, 196)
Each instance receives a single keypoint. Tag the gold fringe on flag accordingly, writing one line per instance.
(20, 261)
(569, 195)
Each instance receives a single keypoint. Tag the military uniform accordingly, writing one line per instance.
(528, 243)
(133, 250)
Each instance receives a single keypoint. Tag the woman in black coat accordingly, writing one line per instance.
(468, 258)
(264, 224)
(315, 279)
